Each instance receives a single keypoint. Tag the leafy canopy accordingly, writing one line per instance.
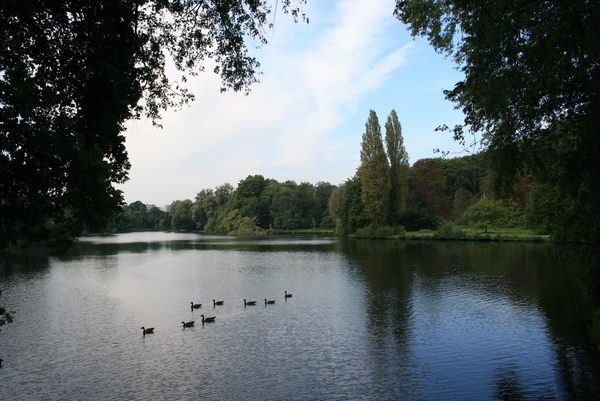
(531, 88)
(72, 72)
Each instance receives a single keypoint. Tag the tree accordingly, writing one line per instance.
(418, 214)
(203, 199)
(154, 217)
(463, 198)
(323, 192)
(374, 172)
(234, 223)
(181, 212)
(305, 204)
(431, 183)
(209, 207)
(399, 167)
(139, 215)
(335, 201)
(74, 71)
(531, 88)
(493, 213)
(351, 214)
(248, 200)
(485, 213)
(283, 209)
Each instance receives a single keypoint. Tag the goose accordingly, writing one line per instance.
(249, 302)
(269, 302)
(208, 319)
(286, 295)
(195, 306)
(218, 302)
(188, 324)
(149, 330)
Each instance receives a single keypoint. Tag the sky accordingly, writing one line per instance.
(304, 120)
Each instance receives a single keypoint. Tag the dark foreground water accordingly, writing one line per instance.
(368, 320)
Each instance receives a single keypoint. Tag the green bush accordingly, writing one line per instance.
(449, 231)
(327, 223)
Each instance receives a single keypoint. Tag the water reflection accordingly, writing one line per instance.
(368, 320)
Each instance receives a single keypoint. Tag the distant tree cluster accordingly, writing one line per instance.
(439, 191)
(257, 204)
(385, 197)
(136, 217)
(386, 192)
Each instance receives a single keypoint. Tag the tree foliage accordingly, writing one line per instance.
(181, 216)
(399, 167)
(351, 214)
(531, 88)
(466, 172)
(284, 212)
(74, 71)
(431, 184)
(209, 207)
(493, 213)
(375, 172)
(463, 198)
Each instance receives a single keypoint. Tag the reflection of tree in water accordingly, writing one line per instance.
(575, 377)
(583, 263)
(522, 273)
(508, 384)
(387, 277)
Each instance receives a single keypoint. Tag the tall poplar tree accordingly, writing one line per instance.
(399, 168)
(374, 172)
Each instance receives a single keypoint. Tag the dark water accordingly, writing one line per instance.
(375, 320)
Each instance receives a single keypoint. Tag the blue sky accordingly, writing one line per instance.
(305, 119)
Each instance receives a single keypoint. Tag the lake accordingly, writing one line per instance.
(368, 320)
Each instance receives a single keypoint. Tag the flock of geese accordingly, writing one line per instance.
(211, 319)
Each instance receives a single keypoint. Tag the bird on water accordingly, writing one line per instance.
(188, 324)
(269, 302)
(149, 330)
(195, 306)
(208, 319)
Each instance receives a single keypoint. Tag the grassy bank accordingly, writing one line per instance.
(304, 231)
(503, 234)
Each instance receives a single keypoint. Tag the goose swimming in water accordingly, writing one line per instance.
(195, 306)
(269, 302)
(208, 319)
(218, 302)
(286, 295)
(188, 324)
(149, 330)
(249, 302)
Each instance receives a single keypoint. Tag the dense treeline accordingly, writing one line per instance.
(430, 193)
(257, 204)
(386, 197)
(439, 190)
